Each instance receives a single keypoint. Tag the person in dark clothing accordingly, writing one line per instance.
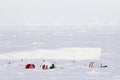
(53, 66)
(103, 66)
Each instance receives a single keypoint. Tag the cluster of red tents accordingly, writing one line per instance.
(45, 65)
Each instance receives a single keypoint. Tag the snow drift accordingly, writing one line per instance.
(61, 53)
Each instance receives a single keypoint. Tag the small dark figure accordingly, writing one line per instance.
(9, 63)
(104, 66)
(43, 60)
(53, 66)
(73, 61)
(21, 59)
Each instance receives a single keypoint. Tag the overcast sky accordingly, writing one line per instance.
(51, 12)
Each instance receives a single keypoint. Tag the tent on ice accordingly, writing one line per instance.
(96, 65)
(47, 65)
(30, 66)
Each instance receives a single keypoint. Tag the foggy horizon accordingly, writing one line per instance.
(59, 12)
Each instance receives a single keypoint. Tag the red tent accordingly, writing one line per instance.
(47, 65)
(30, 66)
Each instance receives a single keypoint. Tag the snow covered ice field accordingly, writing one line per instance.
(30, 38)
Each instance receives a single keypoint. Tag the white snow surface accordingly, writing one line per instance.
(62, 53)
(51, 43)
(65, 70)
